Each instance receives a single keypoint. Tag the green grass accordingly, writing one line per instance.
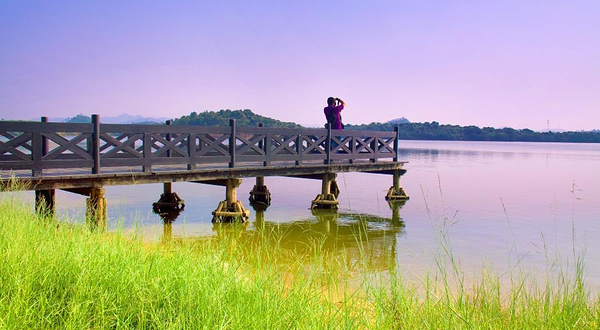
(55, 275)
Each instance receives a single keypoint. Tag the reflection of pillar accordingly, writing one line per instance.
(45, 202)
(231, 210)
(395, 206)
(259, 224)
(230, 231)
(260, 194)
(396, 192)
(167, 231)
(168, 200)
(325, 215)
(168, 217)
(326, 200)
(96, 208)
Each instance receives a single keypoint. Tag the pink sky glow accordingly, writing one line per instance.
(484, 63)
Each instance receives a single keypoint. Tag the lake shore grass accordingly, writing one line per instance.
(58, 275)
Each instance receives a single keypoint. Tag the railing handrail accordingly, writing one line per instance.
(38, 146)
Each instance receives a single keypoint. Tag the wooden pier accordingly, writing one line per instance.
(84, 158)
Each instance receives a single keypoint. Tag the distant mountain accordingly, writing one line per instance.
(78, 119)
(120, 119)
(221, 118)
(129, 119)
(400, 120)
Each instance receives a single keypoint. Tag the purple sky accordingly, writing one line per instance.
(486, 63)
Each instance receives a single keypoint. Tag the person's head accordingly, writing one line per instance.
(331, 101)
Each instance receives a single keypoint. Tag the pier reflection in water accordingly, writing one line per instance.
(355, 237)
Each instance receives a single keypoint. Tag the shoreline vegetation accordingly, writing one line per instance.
(55, 274)
(408, 130)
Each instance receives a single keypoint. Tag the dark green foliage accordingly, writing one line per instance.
(435, 131)
(221, 118)
(79, 119)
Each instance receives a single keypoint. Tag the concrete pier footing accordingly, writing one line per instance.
(326, 199)
(231, 209)
(260, 197)
(168, 200)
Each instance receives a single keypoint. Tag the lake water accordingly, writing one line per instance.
(500, 204)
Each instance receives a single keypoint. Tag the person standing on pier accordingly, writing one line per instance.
(333, 112)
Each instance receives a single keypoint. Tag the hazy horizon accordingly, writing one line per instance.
(497, 63)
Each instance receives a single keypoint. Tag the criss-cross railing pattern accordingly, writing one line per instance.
(38, 146)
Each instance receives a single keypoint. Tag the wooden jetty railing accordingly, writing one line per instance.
(77, 157)
(44, 146)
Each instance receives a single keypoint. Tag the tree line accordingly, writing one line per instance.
(408, 130)
(436, 131)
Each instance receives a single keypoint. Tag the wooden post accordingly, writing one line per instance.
(192, 151)
(45, 202)
(147, 151)
(168, 137)
(96, 208)
(44, 139)
(299, 150)
(262, 144)
(397, 144)
(96, 144)
(267, 150)
(37, 150)
(375, 148)
(167, 188)
(353, 150)
(232, 141)
(328, 145)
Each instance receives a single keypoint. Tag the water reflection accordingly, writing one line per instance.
(351, 237)
(168, 216)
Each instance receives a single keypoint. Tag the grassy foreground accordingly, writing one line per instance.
(64, 276)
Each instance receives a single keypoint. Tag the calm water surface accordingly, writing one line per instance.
(503, 205)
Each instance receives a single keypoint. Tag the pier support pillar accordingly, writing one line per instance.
(396, 192)
(168, 200)
(231, 210)
(45, 202)
(260, 197)
(326, 199)
(96, 208)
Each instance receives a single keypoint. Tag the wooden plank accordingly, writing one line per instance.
(20, 126)
(88, 180)
(192, 151)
